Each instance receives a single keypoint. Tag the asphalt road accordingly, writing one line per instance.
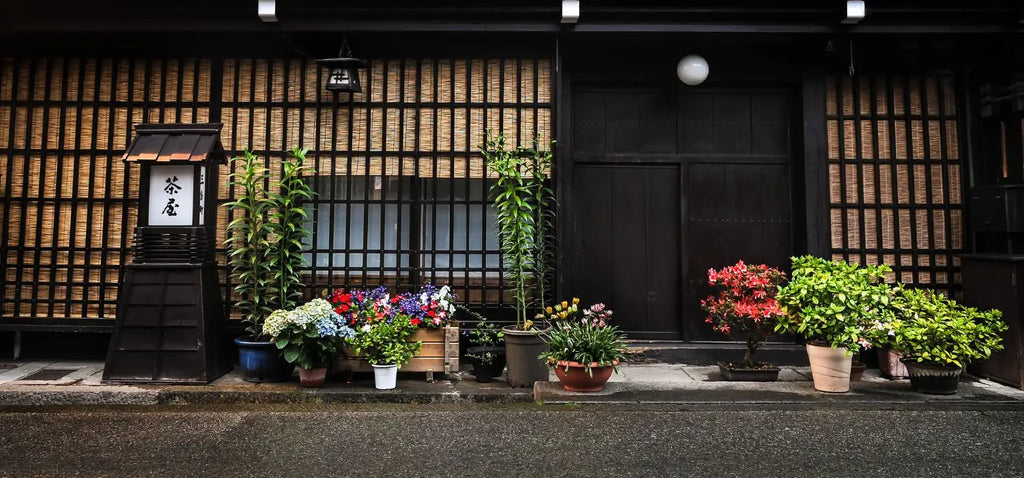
(518, 440)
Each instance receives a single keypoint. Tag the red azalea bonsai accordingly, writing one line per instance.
(744, 302)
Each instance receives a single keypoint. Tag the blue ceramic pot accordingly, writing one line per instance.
(262, 362)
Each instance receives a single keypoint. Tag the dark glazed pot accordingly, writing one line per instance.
(262, 362)
(485, 373)
(933, 379)
(735, 372)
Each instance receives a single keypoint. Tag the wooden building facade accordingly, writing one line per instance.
(853, 141)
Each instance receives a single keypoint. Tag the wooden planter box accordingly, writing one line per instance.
(439, 353)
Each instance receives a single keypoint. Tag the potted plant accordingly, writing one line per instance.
(308, 336)
(486, 349)
(385, 344)
(745, 302)
(832, 304)
(251, 270)
(584, 351)
(938, 337)
(430, 308)
(524, 205)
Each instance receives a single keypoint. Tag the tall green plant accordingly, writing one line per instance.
(525, 213)
(248, 242)
(544, 198)
(287, 218)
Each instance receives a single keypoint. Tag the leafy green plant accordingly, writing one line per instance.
(590, 340)
(309, 335)
(248, 243)
(524, 207)
(834, 302)
(287, 218)
(931, 328)
(486, 335)
(386, 342)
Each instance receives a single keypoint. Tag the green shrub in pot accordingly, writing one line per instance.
(834, 303)
(931, 328)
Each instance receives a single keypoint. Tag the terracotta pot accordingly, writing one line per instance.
(830, 368)
(933, 379)
(313, 377)
(576, 378)
(521, 350)
(889, 364)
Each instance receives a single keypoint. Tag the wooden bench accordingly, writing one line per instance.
(20, 325)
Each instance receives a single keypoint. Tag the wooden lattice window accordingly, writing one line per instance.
(68, 200)
(895, 176)
(401, 186)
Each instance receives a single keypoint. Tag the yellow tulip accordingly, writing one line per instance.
(549, 309)
(575, 300)
(565, 304)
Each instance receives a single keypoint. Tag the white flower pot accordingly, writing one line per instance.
(385, 376)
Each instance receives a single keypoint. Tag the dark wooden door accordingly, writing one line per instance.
(736, 147)
(668, 182)
(626, 245)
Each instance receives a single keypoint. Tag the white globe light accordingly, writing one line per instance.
(692, 70)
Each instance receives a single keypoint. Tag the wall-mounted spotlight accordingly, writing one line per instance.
(267, 10)
(570, 11)
(855, 11)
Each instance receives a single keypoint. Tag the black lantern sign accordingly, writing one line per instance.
(343, 72)
(169, 313)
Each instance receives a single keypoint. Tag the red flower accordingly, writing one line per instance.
(415, 321)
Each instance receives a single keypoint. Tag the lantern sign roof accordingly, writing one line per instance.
(342, 62)
(177, 143)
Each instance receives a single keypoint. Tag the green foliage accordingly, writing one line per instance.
(309, 335)
(484, 334)
(248, 243)
(386, 343)
(287, 217)
(929, 327)
(524, 204)
(590, 341)
(834, 302)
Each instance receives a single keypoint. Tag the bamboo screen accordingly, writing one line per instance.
(401, 187)
(68, 202)
(895, 176)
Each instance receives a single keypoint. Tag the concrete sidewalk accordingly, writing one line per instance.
(78, 383)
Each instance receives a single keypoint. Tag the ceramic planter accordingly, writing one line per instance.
(889, 364)
(857, 370)
(312, 377)
(262, 362)
(485, 372)
(830, 368)
(933, 379)
(574, 376)
(736, 372)
(438, 354)
(385, 377)
(521, 350)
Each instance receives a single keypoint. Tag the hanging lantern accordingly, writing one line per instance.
(343, 72)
